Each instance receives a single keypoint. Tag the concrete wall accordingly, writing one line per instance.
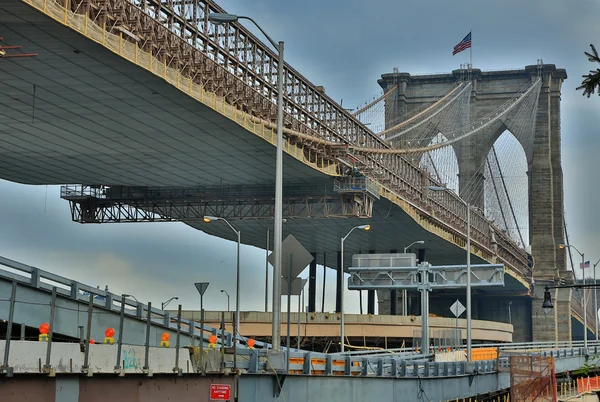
(105, 389)
(66, 358)
(359, 389)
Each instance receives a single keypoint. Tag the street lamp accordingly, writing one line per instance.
(585, 337)
(469, 338)
(548, 298)
(278, 224)
(404, 291)
(596, 299)
(360, 227)
(224, 291)
(209, 219)
(132, 296)
(164, 304)
(412, 244)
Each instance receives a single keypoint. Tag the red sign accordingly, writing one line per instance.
(220, 392)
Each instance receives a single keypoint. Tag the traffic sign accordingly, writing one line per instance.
(297, 286)
(220, 392)
(300, 257)
(201, 286)
(457, 308)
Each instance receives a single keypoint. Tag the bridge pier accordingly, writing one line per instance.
(551, 325)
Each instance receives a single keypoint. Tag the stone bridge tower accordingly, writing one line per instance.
(490, 90)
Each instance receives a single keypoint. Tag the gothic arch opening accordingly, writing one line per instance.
(506, 188)
(441, 163)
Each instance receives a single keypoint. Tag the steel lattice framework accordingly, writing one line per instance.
(95, 204)
(230, 61)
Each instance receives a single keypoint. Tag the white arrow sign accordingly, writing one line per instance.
(457, 308)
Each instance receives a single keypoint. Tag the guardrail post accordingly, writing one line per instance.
(365, 367)
(403, 368)
(86, 367)
(394, 368)
(120, 340)
(253, 366)
(147, 345)
(47, 366)
(75, 290)
(328, 365)
(380, 367)
(166, 319)
(35, 277)
(23, 326)
(13, 294)
(307, 363)
(109, 301)
(347, 365)
(176, 369)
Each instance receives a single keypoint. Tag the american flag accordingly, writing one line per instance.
(463, 45)
(587, 265)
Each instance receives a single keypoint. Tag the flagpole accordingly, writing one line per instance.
(471, 52)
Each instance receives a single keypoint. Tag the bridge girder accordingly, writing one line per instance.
(98, 204)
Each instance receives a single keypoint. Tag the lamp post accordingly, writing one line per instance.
(596, 299)
(404, 291)
(164, 304)
(469, 338)
(224, 291)
(361, 227)
(548, 298)
(278, 224)
(412, 244)
(585, 337)
(132, 296)
(238, 233)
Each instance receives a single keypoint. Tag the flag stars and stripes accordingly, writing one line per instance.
(463, 44)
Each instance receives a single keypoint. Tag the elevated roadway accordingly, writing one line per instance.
(33, 305)
(101, 119)
(360, 329)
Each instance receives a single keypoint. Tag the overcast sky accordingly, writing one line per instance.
(344, 46)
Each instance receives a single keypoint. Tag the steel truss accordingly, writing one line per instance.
(442, 277)
(95, 204)
(229, 60)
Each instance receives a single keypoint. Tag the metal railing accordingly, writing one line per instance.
(26, 275)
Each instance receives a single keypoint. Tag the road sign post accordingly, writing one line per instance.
(201, 287)
(298, 259)
(457, 309)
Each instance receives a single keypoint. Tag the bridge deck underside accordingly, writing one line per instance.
(78, 113)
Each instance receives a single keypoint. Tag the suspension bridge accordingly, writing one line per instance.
(157, 114)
